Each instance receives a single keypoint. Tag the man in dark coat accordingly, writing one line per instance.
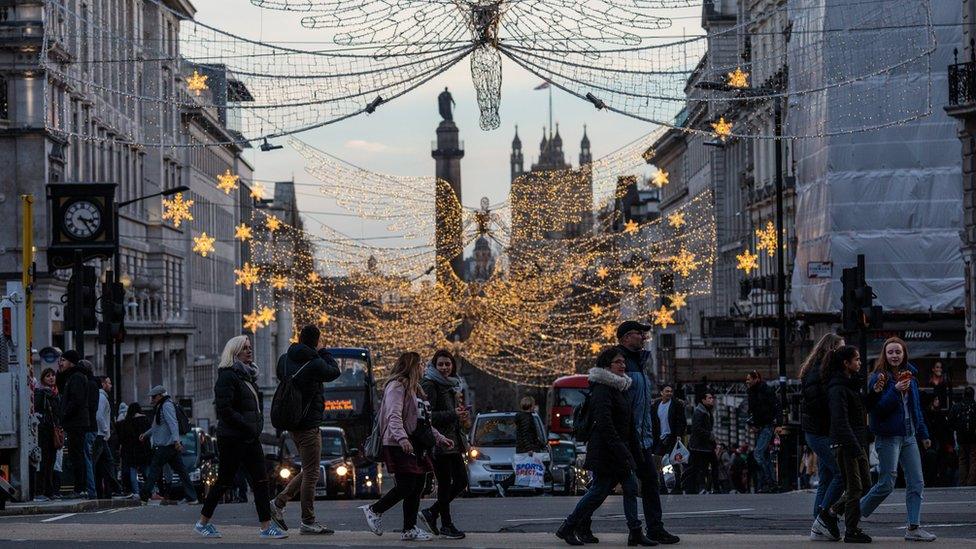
(669, 424)
(73, 382)
(763, 410)
(310, 370)
(702, 446)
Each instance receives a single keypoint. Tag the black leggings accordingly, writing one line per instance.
(408, 487)
(233, 455)
(452, 479)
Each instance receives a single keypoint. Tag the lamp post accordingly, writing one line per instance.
(113, 351)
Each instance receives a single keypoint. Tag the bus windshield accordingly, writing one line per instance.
(352, 374)
(569, 396)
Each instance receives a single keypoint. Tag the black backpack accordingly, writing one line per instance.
(286, 406)
(582, 422)
(182, 422)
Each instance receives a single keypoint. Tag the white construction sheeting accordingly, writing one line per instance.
(892, 194)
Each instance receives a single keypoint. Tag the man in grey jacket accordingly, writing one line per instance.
(102, 458)
(164, 437)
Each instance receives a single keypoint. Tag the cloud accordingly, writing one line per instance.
(369, 146)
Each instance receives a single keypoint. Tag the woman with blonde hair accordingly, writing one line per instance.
(896, 420)
(408, 441)
(815, 424)
(239, 424)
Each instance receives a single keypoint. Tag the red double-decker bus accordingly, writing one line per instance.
(565, 394)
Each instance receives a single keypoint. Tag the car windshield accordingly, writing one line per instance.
(332, 445)
(563, 453)
(497, 430)
(352, 373)
(572, 397)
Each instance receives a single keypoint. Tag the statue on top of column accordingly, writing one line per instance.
(445, 103)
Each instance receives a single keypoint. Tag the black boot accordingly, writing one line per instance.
(637, 537)
(661, 536)
(585, 534)
(567, 533)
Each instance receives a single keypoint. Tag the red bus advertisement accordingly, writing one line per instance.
(565, 394)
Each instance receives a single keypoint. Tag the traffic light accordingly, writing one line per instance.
(859, 310)
(113, 312)
(81, 300)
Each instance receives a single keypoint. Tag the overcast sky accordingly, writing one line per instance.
(396, 138)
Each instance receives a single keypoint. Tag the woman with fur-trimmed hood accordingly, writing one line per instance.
(610, 453)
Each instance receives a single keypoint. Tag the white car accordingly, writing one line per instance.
(492, 450)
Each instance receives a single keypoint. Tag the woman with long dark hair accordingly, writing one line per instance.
(47, 403)
(135, 454)
(815, 423)
(240, 421)
(897, 422)
(408, 441)
(441, 385)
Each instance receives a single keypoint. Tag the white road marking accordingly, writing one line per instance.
(927, 503)
(940, 525)
(59, 517)
(709, 512)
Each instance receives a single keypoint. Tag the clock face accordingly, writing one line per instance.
(82, 219)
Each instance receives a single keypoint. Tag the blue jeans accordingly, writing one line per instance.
(600, 487)
(831, 483)
(133, 471)
(90, 465)
(763, 440)
(893, 450)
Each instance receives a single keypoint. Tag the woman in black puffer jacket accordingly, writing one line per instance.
(239, 424)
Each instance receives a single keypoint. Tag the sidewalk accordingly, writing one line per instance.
(65, 506)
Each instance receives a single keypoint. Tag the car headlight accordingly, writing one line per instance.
(342, 470)
(284, 473)
(475, 454)
(369, 484)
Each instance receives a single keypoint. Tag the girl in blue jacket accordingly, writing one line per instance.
(895, 418)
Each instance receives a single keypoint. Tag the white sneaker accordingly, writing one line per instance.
(373, 520)
(816, 536)
(919, 535)
(416, 534)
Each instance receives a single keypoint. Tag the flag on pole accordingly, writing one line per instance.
(542, 86)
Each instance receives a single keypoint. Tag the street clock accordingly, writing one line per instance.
(82, 222)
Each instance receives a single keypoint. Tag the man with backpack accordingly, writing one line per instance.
(168, 424)
(962, 419)
(631, 336)
(298, 407)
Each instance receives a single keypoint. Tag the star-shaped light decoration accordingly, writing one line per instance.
(630, 227)
(242, 232)
(738, 79)
(596, 309)
(203, 244)
(324, 318)
(196, 82)
(177, 210)
(595, 347)
(272, 223)
(278, 282)
(267, 315)
(609, 331)
(766, 239)
(661, 178)
(678, 300)
(747, 261)
(252, 321)
(722, 128)
(247, 275)
(676, 220)
(684, 262)
(663, 317)
(257, 190)
(227, 181)
(602, 273)
(314, 277)
(635, 280)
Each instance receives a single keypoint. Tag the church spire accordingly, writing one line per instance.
(585, 156)
(516, 161)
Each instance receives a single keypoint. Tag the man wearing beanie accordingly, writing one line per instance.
(73, 384)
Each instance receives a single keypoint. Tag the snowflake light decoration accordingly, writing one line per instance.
(602, 273)
(323, 318)
(252, 321)
(635, 280)
(660, 178)
(766, 239)
(630, 227)
(738, 79)
(722, 128)
(267, 315)
(609, 331)
(247, 275)
(272, 223)
(257, 190)
(596, 309)
(747, 261)
(196, 82)
(203, 244)
(595, 347)
(676, 220)
(177, 210)
(242, 232)
(678, 300)
(313, 277)
(227, 181)
(663, 317)
(684, 263)
(278, 282)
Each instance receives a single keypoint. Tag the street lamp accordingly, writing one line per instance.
(777, 97)
(113, 352)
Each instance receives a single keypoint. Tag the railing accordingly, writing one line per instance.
(962, 79)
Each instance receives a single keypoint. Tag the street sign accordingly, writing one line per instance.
(820, 269)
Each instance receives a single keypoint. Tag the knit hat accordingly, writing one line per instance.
(71, 356)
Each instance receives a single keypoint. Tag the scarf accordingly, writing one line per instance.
(434, 375)
(249, 371)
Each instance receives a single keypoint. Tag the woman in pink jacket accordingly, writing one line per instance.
(408, 440)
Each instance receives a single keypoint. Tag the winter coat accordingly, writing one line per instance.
(527, 433)
(677, 419)
(848, 427)
(958, 421)
(887, 412)
(639, 394)
(238, 404)
(73, 386)
(48, 405)
(318, 368)
(399, 413)
(702, 437)
(132, 450)
(763, 405)
(613, 442)
(443, 415)
(814, 414)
